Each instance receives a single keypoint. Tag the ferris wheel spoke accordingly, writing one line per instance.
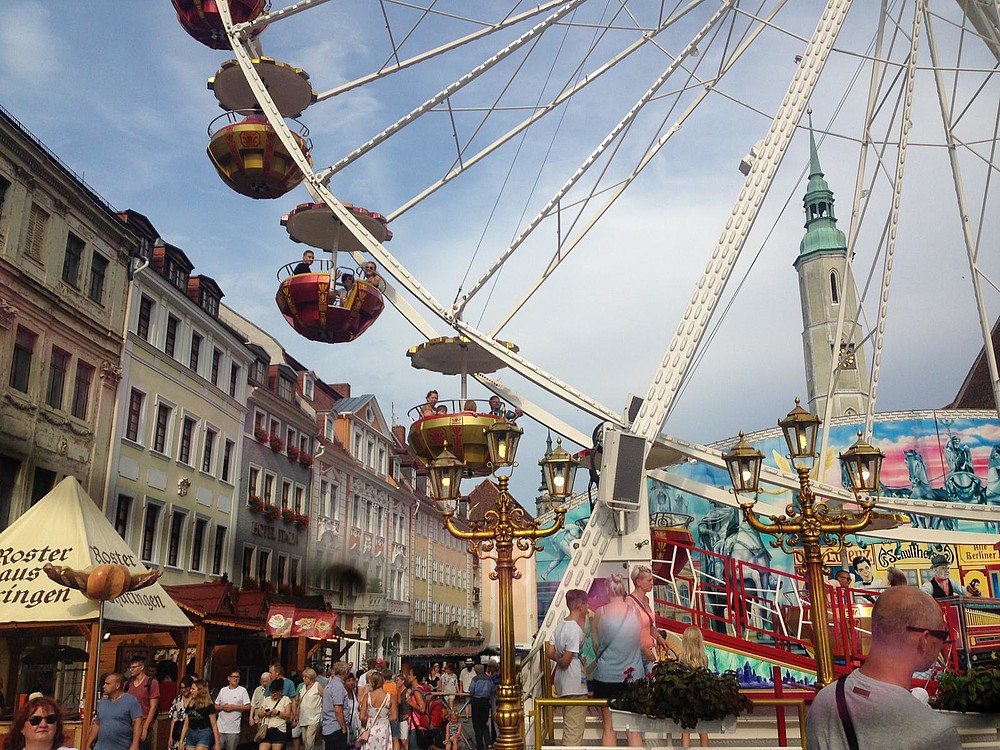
(666, 382)
(468, 78)
(610, 138)
(468, 162)
(706, 88)
(444, 48)
(970, 242)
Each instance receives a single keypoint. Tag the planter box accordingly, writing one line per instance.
(626, 721)
(972, 720)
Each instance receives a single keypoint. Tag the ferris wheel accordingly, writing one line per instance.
(558, 142)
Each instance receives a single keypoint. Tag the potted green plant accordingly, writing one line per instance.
(675, 698)
(970, 699)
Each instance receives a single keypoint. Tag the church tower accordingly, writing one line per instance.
(822, 291)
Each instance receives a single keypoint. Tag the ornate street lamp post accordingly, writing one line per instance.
(807, 522)
(505, 535)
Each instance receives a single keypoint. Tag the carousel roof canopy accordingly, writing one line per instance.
(66, 528)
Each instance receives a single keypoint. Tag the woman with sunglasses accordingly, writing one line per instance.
(37, 726)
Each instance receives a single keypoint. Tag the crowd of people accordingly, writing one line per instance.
(337, 709)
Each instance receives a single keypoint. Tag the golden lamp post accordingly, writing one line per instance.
(505, 535)
(808, 522)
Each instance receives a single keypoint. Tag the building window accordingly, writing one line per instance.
(206, 456)
(71, 261)
(253, 480)
(58, 368)
(286, 389)
(299, 495)
(122, 512)
(187, 433)
(149, 525)
(134, 413)
(170, 342)
(286, 492)
(263, 565)
(145, 315)
(160, 433)
(4, 186)
(177, 519)
(268, 488)
(81, 389)
(195, 351)
(308, 387)
(20, 366)
(234, 378)
(324, 499)
(198, 544)
(294, 572)
(227, 460)
(218, 548)
(216, 361)
(834, 288)
(282, 569)
(98, 272)
(34, 240)
(247, 567)
(257, 373)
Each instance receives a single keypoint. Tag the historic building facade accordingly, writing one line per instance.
(64, 265)
(173, 485)
(275, 488)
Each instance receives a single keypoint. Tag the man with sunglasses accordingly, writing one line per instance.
(118, 723)
(873, 705)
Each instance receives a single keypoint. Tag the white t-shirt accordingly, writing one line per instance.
(571, 680)
(448, 683)
(466, 678)
(229, 721)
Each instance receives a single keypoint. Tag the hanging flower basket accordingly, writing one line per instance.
(272, 512)
(293, 453)
(277, 444)
(287, 515)
(261, 434)
(306, 459)
(301, 520)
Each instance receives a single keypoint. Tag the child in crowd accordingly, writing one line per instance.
(693, 655)
(453, 732)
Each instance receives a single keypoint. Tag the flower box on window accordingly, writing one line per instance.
(293, 453)
(276, 443)
(261, 434)
(301, 520)
(255, 503)
(287, 515)
(306, 459)
(272, 511)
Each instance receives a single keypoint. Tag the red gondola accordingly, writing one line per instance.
(252, 160)
(201, 19)
(315, 307)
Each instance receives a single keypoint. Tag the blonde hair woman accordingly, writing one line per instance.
(642, 584)
(200, 728)
(693, 655)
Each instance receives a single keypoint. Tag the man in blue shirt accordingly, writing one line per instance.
(334, 719)
(480, 695)
(118, 724)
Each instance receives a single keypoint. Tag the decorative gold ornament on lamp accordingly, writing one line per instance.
(807, 522)
(505, 535)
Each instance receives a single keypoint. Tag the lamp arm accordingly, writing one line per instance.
(850, 525)
(541, 533)
(476, 535)
(781, 524)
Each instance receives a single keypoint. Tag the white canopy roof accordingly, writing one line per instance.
(67, 528)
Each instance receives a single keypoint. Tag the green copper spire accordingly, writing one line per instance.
(821, 223)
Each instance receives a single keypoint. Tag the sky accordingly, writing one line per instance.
(118, 92)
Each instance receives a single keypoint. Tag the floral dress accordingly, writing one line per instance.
(380, 734)
(176, 714)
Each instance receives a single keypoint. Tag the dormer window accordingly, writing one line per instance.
(175, 274)
(286, 388)
(209, 303)
(308, 387)
(258, 372)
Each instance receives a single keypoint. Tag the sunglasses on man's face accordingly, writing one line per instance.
(36, 720)
(941, 635)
